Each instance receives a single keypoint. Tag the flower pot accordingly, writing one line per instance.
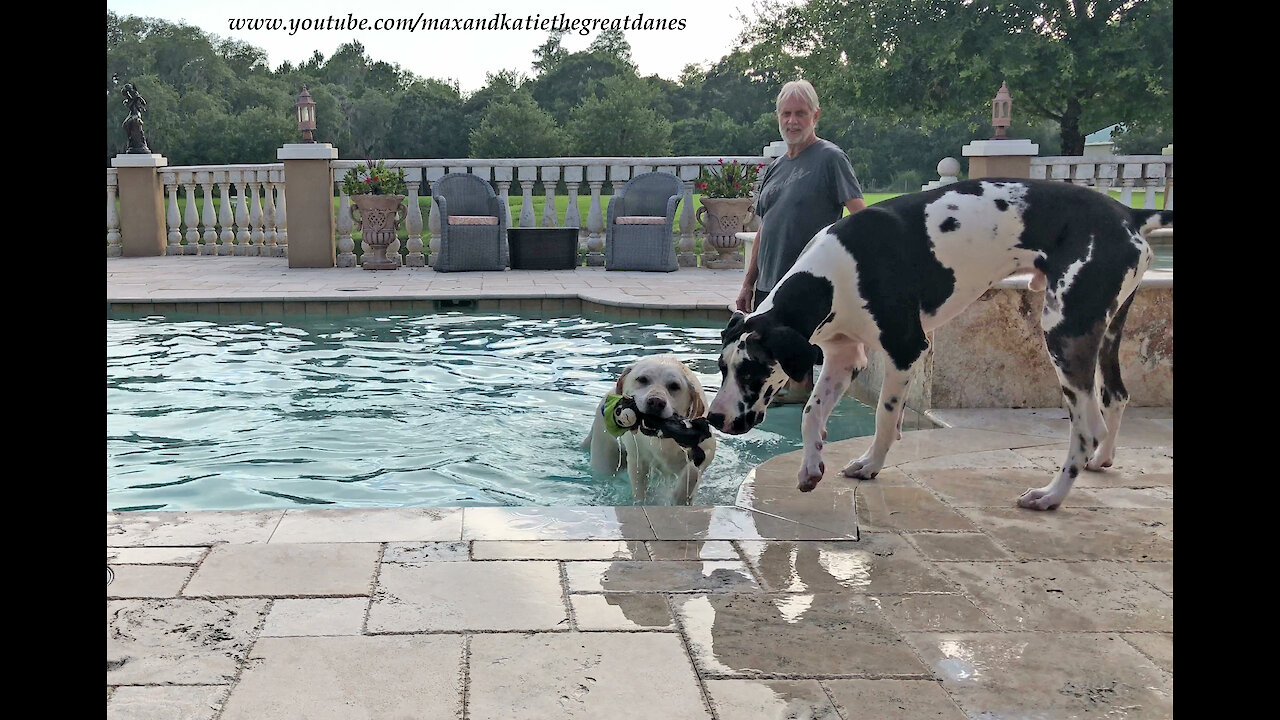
(722, 219)
(379, 217)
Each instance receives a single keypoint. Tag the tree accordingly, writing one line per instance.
(1074, 62)
(576, 78)
(516, 127)
(550, 53)
(620, 123)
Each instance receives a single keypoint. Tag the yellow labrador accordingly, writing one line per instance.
(662, 386)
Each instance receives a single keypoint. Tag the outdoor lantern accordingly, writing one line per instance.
(1000, 112)
(306, 115)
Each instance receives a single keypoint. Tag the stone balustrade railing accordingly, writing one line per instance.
(524, 173)
(1147, 174)
(252, 220)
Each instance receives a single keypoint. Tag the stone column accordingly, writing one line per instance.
(1000, 158)
(525, 176)
(595, 218)
(309, 196)
(572, 215)
(142, 228)
(413, 221)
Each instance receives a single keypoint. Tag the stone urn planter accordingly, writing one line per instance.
(379, 217)
(722, 219)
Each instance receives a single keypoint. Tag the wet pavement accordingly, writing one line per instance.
(924, 593)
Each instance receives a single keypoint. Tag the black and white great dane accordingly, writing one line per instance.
(884, 277)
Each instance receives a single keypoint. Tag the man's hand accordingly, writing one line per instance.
(745, 299)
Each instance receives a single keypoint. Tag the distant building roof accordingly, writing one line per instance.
(1101, 136)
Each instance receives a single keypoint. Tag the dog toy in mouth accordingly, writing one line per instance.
(622, 414)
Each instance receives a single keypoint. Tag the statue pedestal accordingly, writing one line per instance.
(142, 228)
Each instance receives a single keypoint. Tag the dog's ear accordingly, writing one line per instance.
(792, 350)
(617, 389)
(734, 328)
(697, 402)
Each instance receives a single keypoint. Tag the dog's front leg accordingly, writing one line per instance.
(638, 471)
(688, 482)
(888, 422)
(842, 362)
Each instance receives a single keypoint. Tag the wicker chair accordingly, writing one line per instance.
(473, 226)
(642, 219)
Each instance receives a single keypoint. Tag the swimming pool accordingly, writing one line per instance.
(458, 408)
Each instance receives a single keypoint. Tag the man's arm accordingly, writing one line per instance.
(746, 296)
(854, 205)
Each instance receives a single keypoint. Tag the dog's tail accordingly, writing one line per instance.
(1148, 220)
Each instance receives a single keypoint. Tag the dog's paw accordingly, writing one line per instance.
(1101, 459)
(864, 468)
(1039, 499)
(807, 478)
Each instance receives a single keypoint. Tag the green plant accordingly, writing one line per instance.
(731, 180)
(370, 179)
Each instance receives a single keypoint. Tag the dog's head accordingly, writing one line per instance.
(663, 386)
(757, 356)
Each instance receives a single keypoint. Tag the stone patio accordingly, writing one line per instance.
(924, 593)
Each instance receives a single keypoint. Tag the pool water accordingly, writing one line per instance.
(461, 408)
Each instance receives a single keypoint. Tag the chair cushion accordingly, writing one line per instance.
(640, 220)
(474, 220)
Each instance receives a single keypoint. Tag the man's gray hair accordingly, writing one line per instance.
(803, 89)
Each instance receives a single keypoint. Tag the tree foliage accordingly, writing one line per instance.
(1082, 64)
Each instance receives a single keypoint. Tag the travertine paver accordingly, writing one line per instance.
(409, 553)
(897, 699)
(1158, 647)
(175, 702)
(621, 611)
(957, 546)
(993, 488)
(983, 459)
(555, 523)
(185, 528)
(730, 523)
(830, 506)
(934, 612)
(155, 555)
(905, 508)
(771, 700)
(1054, 675)
(456, 596)
(390, 524)
(559, 550)
(691, 550)
(339, 678)
(878, 563)
(315, 616)
(147, 580)
(582, 676)
(1054, 595)
(793, 634)
(1079, 533)
(660, 576)
(183, 641)
(286, 570)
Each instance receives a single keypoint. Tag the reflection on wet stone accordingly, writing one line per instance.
(817, 635)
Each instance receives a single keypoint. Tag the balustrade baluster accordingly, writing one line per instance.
(550, 176)
(282, 223)
(225, 214)
(192, 217)
(346, 246)
(431, 175)
(595, 218)
(1129, 174)
(572, 215)
(268, 215)
(688, 224)
(242, 215)
(503, 176)
(173, 219)
(255, 215)
(113, 217)
(413, 221)
(210, 244)
(525, 176)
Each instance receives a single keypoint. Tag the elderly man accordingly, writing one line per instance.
(801, 192)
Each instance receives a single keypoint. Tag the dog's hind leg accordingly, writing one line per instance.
(1075, 358)
(843, 361)
(1114, 395)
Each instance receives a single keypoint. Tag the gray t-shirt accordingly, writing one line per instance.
(798, 197)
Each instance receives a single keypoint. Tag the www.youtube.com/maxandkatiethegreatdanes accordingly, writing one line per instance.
(498, 21)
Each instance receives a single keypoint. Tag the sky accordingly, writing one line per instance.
(464, 55)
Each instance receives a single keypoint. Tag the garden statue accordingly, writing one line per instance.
(133, 124)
